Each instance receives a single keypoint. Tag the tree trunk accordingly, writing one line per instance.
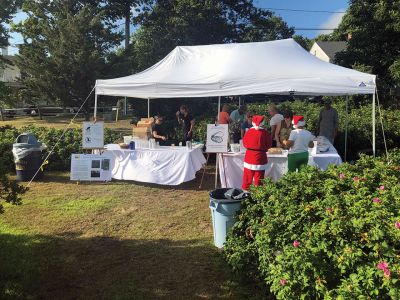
(127, 26)
(1, 113)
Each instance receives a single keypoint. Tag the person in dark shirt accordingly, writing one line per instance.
(187, 121)
(157, 130)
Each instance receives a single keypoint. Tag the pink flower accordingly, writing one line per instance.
(397, 224)
(377, 200)
(356, 178)
(382, 188)
(329, 209)
(296, 243)
(282, 281)
(386, 273)
(383, 265)
(341, 176)
(363, 179)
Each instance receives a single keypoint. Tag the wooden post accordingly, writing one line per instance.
(1, 113)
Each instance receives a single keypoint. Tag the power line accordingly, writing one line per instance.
(315, 28)
(304, 10)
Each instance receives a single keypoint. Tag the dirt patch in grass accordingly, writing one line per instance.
(119, 240)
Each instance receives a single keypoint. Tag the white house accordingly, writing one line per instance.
(9, 73)
(326, 51)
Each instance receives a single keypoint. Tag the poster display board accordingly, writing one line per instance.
(93, 135)
(217, 138)
(91, 167)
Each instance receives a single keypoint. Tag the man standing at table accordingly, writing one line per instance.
(187, 121)
(328, 122)
(157, 131)
(238, 116)
(257, 141)
(276, 118)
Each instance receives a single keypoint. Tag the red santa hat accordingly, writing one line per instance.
(258, 122)
(298, 121)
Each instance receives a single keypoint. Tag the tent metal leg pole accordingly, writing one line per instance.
(373, 126)
(148, 107)
(125, 107)
(95, 107)
(217, 155)
(347, 123)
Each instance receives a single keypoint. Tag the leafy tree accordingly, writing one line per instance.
(10, 190)
(118, 9)
(7, 9)
(166, 24)
(375, 29)
(66, 45)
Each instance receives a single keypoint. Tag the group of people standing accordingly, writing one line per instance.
(184, 118)
(287, 131)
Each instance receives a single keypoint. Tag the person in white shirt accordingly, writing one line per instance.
(299, 141)
(276, 118)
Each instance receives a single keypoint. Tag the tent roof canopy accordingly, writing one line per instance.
(276, 67)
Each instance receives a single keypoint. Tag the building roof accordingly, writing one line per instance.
(332, 47)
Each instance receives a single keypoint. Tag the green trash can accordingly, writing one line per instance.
(224, 204)
(27, 152)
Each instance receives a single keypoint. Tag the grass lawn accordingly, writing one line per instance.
(117, 240)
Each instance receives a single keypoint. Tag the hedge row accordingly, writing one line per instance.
(61, 158)
(323, 235)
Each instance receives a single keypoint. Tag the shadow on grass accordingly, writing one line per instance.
(72, 267)
(206, 185)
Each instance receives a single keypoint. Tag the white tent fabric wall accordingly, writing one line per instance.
(276, 67)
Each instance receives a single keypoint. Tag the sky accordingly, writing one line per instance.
(298, 19)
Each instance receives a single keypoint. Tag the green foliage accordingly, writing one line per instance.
(65, 50)
(7, 9)
(10, 190)
(315, 234)
(60, 159)
(167, 24)
(375, 29)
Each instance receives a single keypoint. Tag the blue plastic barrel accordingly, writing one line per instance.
(223, 212)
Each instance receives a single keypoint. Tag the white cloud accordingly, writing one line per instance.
(332, 22)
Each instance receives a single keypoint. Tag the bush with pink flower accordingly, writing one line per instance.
(332, 234)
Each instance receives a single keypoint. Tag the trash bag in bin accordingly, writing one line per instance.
(224, 204)
(27, 152)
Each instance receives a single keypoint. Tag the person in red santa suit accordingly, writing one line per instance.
(257, 141)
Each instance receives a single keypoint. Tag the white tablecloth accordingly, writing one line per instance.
(231, 166)
(164, 165)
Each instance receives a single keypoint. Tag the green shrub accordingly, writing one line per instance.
(331, 235)
(60, 159)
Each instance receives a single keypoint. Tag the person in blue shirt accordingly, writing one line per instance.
(247, 124)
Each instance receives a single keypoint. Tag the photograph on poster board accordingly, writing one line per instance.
(93, 135)
(90, 167)
(217, 138)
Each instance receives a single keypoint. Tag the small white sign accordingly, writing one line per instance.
(93, 135)
(217, 138)
(91, 167)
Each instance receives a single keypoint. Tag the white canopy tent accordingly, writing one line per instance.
(276, 67)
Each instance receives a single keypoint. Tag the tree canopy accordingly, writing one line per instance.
(66, 44)
(374, 46)
(7, 9)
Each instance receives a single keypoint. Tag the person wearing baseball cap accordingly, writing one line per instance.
(298, 143)
(257, 141)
